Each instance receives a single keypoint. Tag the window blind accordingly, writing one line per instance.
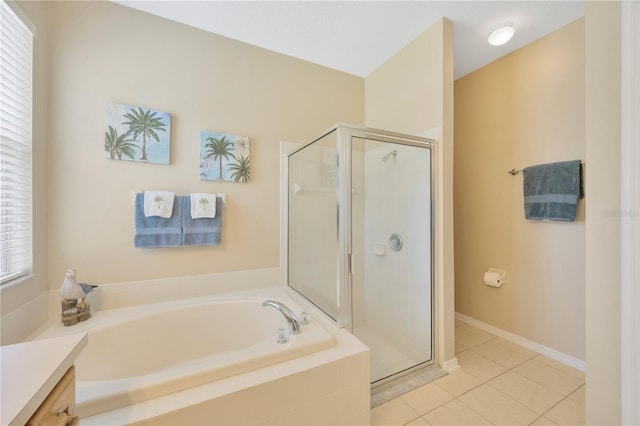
(16, 56)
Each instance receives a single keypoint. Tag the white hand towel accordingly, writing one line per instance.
(203, 206)
(158, 203)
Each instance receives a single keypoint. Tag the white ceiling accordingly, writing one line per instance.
(358, 36)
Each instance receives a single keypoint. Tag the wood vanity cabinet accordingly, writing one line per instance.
(58, 408)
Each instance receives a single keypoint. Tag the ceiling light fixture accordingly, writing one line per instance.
(502, 34)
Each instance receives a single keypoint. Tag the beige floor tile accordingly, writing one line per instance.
(479, 366)
(501, 354)
(497, 407)
(526, 391)
(568, 412)
(562, 367)
(394, 412)
(548, 376)
(460, 348)
(543, 421)
(358, 419)
(521, 349)
(418, 422)
(427, 397)
(470, 336)
(480, 332)
(455, 413)
(458, 382)
(578, 396)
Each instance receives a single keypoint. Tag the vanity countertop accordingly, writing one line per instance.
(31, 370)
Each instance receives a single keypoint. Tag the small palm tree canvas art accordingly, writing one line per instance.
(224, 157)
(137, 134)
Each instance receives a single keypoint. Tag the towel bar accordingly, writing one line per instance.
(515, 172)
(138, 191)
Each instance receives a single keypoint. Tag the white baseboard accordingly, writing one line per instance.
(450, 365)
(529, 344)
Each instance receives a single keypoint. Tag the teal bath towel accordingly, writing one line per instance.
(156, 231)
(204, 231)
(552, 191)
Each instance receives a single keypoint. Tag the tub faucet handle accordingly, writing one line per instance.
(304, 318)
(282, 336)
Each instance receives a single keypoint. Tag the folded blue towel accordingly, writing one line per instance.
(552, 191)
(156, 231)
(204, 231)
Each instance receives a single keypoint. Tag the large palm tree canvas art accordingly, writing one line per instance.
(224, 157)
(137, 134)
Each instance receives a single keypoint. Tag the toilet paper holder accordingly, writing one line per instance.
(495, 277)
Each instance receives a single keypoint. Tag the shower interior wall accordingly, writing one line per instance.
(391, 292)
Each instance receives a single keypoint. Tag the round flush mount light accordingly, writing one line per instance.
(501, 34)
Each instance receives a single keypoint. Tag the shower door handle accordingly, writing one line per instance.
(350, 262)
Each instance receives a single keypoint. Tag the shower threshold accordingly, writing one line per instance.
(396, 387)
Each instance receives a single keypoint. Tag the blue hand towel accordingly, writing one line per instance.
(204, 231)
(156, 231)
(552, 191)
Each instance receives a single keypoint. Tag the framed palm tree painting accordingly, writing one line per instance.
(137, 134)
(224, 157)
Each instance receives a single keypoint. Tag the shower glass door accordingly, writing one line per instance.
(391, 248)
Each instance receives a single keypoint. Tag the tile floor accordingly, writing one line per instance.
(498, 383)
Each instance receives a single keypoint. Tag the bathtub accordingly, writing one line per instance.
(139, 353)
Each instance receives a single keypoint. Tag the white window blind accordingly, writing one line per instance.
(16, 53)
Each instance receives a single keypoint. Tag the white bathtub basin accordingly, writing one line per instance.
(142, 352)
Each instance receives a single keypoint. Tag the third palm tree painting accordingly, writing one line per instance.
(224, 157)
(137, 134)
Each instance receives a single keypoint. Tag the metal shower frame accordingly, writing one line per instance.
(344, 280)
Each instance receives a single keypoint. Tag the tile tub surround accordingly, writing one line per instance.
(498, 382)
(278, 394)
(38, 313)
(139, 353)
(334, 392)
(340, 374)
(16, 325)
(135, 293)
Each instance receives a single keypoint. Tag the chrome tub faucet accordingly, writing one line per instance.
(292, 319)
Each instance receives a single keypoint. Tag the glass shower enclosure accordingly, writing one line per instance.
(360, 233)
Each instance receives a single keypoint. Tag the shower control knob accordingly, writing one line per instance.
(395, 242)
(304, 318)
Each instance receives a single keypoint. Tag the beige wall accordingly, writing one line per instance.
(413, 93)
(603, 100)
(13, 296)
(524, 109)
(102, 52)
(405, 93)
